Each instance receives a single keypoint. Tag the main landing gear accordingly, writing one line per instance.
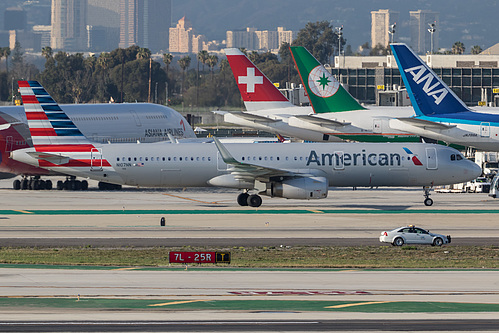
(72, 184)
(246, 199)
(32, 183)
(427, 201)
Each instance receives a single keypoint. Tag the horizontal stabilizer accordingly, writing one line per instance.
(321, 121)
(425, 124)
(52, 158)
(254, 118)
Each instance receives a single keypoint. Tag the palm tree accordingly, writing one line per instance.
(143, 53)
(458, 48)
(203, 57)
(47, 52)
(212, 62)
(6, 54)
(476, 49)
(167, 59)
(184, 63)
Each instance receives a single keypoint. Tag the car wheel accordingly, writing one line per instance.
(398, 241)
(438, 241)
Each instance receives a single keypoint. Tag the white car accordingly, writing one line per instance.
(413, 235)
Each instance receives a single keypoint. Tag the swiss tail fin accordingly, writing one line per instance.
(50, 127)
(257, 91)
(325, 92)
(428, 93)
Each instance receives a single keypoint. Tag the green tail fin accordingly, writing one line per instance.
(325, 93)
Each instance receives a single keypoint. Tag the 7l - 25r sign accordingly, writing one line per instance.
(200, 257)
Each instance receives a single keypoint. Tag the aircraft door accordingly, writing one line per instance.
(9, 144)
(338, 162)
(485, 130)
(221, 166)
(96, 159)
(136, 118)
(377, 124)
(431, 159)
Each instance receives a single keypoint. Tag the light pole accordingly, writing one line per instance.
(431, 30)
(339, 32)
(391, 31)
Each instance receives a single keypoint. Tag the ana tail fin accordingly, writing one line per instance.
(325, 92)
(257, 91)
(428, 93)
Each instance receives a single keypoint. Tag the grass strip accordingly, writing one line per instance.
(408, 257)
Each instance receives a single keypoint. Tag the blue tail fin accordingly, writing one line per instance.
(428, 93)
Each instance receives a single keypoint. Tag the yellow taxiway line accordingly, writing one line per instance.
(178, 302)
(354, 304)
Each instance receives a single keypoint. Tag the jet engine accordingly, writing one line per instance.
(298, 188)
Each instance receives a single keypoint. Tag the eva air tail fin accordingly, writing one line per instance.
(325, 92)
(428, 93)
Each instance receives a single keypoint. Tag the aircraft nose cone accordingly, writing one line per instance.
(476, 170)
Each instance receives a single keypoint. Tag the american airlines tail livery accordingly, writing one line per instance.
(288, 170)
(439, 113)
(115, 123)
(334, 116)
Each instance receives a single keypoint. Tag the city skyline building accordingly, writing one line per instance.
(381, 20)
(183, 38)
(145, 23)
(69, 25)
(253, 39)
(420, 37)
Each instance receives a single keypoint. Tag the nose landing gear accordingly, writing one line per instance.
(427, 201)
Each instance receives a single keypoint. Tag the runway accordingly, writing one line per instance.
(204, 217)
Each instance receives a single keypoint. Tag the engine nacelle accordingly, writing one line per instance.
(228, 180)
(299, 188)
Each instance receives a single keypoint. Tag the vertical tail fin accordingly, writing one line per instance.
(257, 91)
(48, 123)
(428, 93)
(325, 92)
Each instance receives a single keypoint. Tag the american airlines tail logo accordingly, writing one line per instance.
(430, 89)
(414, 158)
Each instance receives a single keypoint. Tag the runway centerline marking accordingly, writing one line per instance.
(317, 211)
(354, 304)
(178, 302)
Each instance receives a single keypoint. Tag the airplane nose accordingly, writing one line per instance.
(476, 170)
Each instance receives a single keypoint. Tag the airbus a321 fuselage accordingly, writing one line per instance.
(295, 171)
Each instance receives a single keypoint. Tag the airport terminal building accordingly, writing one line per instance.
(376, 80)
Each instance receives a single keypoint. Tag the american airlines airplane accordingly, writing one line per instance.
(288, 170)
(439, 113)
(334, 115)
(102, 123)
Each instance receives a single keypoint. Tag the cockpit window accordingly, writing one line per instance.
(453, 157)
(459, 157)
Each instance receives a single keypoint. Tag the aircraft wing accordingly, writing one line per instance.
(254, 118)
(321, 121)
(425, 124)
(248, 171)
(52, 158)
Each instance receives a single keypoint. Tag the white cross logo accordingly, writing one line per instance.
(250, 80)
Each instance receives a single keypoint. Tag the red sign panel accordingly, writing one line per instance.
(199, 257)
(192, 257)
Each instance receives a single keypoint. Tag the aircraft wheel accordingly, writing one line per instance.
(16, 184)
(428, 202)
(242, 199)
(254, 200)
(48, 184)
(76, 185)
(60, 185)
(24, 184)
(41, 185)
(84, 185)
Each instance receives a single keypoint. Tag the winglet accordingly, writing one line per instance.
(428, 93)
(226, 155)
(326, 94)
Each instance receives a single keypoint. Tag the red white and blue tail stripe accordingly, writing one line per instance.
(54, 135)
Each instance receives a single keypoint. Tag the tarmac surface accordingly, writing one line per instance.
(447, 300)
